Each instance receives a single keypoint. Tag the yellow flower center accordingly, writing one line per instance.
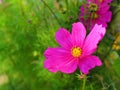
(94, 16)
(93, 7)
(100, 1)
(76, 52)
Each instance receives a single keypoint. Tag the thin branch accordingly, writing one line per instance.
(51, 12)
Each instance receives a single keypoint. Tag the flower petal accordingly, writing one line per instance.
(103, 8)
(50, 65)
(107, 16)
(56, 52)
(94, 37)
(59, 59)
(108, 1)
(70, 66)
(63, 37)
(101, 21)
(89, 63)
(78, 33)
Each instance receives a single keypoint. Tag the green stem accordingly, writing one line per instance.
(84, 82)
(91, 87)
(51, 12)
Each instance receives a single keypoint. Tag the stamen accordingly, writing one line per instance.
(76, 52)
(100, 1)
(93, 7)
(94, 15)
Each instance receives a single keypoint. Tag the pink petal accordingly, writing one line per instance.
(107, 16)
(70, 66)
(108, 1)
(50, 65)
(78, 33)
(94, 37)
(59, 59)
(82, 12)
(51, 54)
(101, 21)
(104, 1)
(56, 52)
(89, 63)
(82, 9)
(63, 37)
(103, 8)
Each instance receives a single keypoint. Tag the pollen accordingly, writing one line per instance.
(94, 16)
(100, 1)
(93, 7)
(76, 52)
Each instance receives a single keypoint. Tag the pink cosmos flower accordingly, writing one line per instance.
(95, 11)
(101, 1)
(75, 50)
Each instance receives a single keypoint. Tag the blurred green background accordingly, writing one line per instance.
(27, 28)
